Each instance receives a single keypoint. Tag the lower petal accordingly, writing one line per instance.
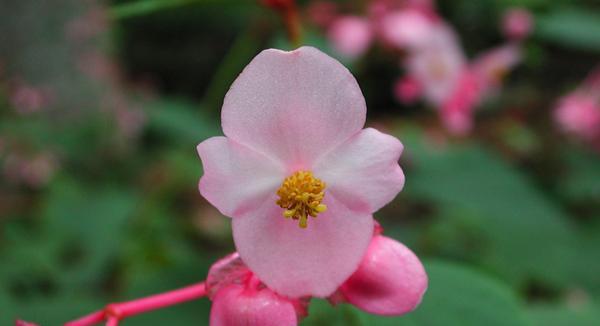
(299, 262)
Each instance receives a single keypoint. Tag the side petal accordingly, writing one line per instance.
(363, 173)
(299, 262)
(236, 178)
(293, 105)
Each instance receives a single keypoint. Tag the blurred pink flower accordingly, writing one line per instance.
(579, 114)
(295, 148)
(408, 28)
(457, 110)
(407, 90)
(491, 66)
(27, 99)
(517, 24)
(438, 65)
(33, 171)
(24, 323)
(389, 281)
(350, 35)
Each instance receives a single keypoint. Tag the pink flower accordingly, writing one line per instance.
(491, 66)
(350, 35)
(579, 115)
(294, 150)
(517, 23)
(439, 65)
(407, 90)
(389, 281)
(408, 29)
(457, 110)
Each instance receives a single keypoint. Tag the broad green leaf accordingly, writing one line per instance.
(181, 122)
(571, 28)
(583, 314)
(520, 232)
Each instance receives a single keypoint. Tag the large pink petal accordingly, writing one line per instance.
(293, 105)
(236, 178)
(299, 262)
(363, 173)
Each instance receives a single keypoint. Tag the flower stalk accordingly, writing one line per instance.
(116, 312)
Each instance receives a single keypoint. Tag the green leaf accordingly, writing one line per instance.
(457, 295)
(570, 27)
(181, 122)
(520, 233)
(559, 315)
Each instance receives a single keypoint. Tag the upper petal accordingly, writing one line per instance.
(236, 178)
(363, 173)
(299, 262)
(293, 105)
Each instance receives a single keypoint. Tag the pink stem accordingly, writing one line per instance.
(117, 311)
(112, 321)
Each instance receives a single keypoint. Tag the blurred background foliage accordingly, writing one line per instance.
(98, 184)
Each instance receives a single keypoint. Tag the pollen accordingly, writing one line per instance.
(301, 195)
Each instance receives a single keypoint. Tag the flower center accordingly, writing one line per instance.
(301, 195)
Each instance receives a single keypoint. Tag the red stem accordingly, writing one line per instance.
(117, 311)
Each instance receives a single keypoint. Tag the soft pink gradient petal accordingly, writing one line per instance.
(350, 35)
(299, 262)
(491, 66)
(438, 65)
(236, 179)
(363, 173)
(293, 105)
(389, 281)
(236, 306)
(407, 29)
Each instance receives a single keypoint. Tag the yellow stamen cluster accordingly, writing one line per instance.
(301, 195)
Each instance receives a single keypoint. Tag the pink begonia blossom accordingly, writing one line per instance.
(408, 28)
(491, 66)
(407, 90)
(578, 112)
(579, 115)
(517, 23)
(389, 281)
(295, 149)
(457, 110)
(350, 35)
(439, 65)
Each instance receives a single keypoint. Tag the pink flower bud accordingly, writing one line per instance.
(517, 23)
(389, 281)
(24, 323)
(579, 115)
(407, 90)
(350, 35)
(237, 305)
